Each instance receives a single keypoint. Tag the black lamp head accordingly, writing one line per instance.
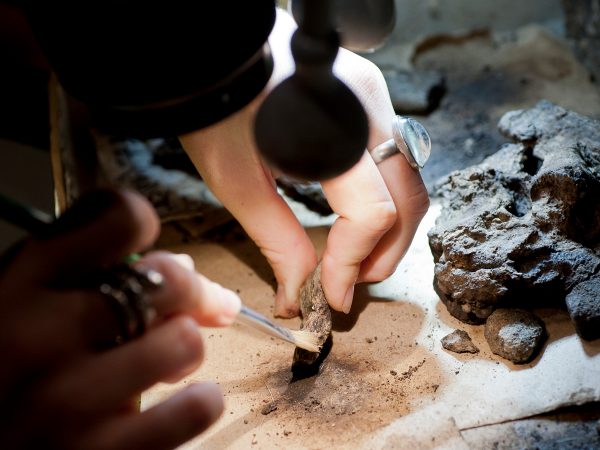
(312, 126)
(312, 131)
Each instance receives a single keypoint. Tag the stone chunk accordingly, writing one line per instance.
(583, 304)
(515, 334)
(459, 341)
(523, 227)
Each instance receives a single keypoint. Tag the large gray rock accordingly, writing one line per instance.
(523, 227)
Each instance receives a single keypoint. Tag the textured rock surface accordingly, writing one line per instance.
(583, 304)
(514, 334)
(459, 341)
(523, 227)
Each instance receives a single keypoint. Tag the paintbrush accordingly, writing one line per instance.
(36, 222)
(301, 338)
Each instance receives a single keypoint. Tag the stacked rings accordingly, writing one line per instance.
(128, 288)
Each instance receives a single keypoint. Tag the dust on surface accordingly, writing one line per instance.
(361, 386)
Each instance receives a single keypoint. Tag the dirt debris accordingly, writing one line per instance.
(268, 408)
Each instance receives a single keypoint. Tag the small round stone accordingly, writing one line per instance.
(515, 334)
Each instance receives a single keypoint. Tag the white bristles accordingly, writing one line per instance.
(307, 340)
(301, 338)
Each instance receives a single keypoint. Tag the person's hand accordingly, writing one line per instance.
(379, 206)
(57, 388)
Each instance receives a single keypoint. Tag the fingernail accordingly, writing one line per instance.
(283, 307)
(184, 260)
(231, 305)
(347, 303)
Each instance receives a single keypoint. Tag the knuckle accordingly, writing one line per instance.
(418, 202)
(379, 217)
(135, 215)
(373, 81)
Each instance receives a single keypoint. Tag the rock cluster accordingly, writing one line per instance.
(523, 227)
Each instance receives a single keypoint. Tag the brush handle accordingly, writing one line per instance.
(26, 217)
(259, 322)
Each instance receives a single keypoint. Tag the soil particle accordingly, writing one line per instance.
(515, 334)
(411, 370)
(268, 408)
(459, 341)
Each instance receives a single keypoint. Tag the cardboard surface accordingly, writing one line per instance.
(387, 381)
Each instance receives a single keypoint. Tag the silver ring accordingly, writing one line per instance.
(127, 290)
(410, 138)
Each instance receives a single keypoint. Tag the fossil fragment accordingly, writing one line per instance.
(316, 317)
(459, 341)
(515, 334)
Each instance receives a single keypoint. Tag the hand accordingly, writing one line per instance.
(57, 390)
(379, 207)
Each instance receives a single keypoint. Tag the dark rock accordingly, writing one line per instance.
(415, 91)
(310, 194)
(459, 341)
(514, 334)
(583, 304)
(523, 227)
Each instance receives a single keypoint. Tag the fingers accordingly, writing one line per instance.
(108, 380)
(167, 425)
(366, 212)
(100, 230)
(185, 291)
(412, 201)
(404, 184)
(68, 323)
(229, 164)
